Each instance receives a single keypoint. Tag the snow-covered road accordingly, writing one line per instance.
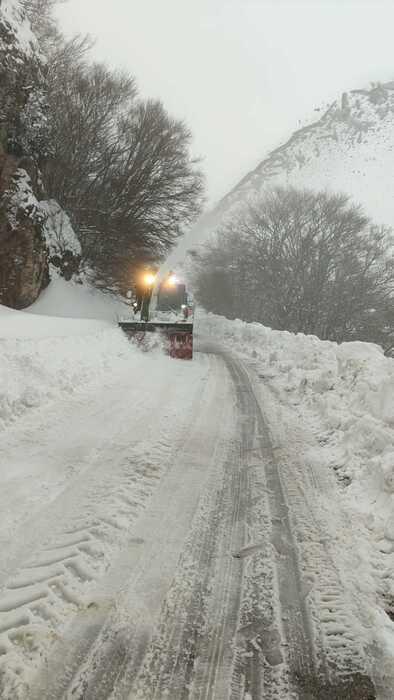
(161, 540)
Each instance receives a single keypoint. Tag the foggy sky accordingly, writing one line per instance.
(243, 74)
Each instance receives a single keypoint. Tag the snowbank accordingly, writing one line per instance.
(73, 300)
(44, 358)
(19, 325)
(346, 391)
(331, 411)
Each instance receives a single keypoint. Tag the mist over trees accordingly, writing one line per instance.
(302, 261)
(120, 165)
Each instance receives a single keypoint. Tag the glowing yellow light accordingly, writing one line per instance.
(149, 279)
(172, 280)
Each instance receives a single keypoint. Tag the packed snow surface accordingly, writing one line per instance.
(89, 421)
(75, 396)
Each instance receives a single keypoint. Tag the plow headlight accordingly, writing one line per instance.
(172, 280)
(149, 279)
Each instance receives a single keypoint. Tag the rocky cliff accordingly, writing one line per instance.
(31, 229)
(23, 250)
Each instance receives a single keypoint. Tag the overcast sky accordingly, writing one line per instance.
(243, 74)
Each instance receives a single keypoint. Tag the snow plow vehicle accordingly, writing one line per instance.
(162, 307)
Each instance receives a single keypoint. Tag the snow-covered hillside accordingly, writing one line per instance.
(349, 149)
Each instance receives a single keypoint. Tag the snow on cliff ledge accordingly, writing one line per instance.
(59, 234)
(12, 12)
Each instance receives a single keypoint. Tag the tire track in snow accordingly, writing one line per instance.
(204, 599)
(113, 641)
(231, 626)
(194, 654)
(216, 642)
(335, 664)
(53, 584)
(90, 523)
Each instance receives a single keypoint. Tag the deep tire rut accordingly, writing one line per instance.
(193, 647)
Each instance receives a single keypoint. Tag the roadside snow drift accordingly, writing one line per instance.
(67, 339)
(41, 358)
(73, 300)
(332, 406)
(349, 387)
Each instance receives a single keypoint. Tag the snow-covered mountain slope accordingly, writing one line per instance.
(349, 149)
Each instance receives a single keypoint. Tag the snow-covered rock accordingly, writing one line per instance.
(59, 233)
(20, 201)
(23, 250)
(32, 232)
(23, 141)
(23, 122)
(12, 12)
(63, 244)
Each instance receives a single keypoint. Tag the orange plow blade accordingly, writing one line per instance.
(177, 337)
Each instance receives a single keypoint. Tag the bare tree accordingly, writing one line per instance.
(302, 261)
(121, 167)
